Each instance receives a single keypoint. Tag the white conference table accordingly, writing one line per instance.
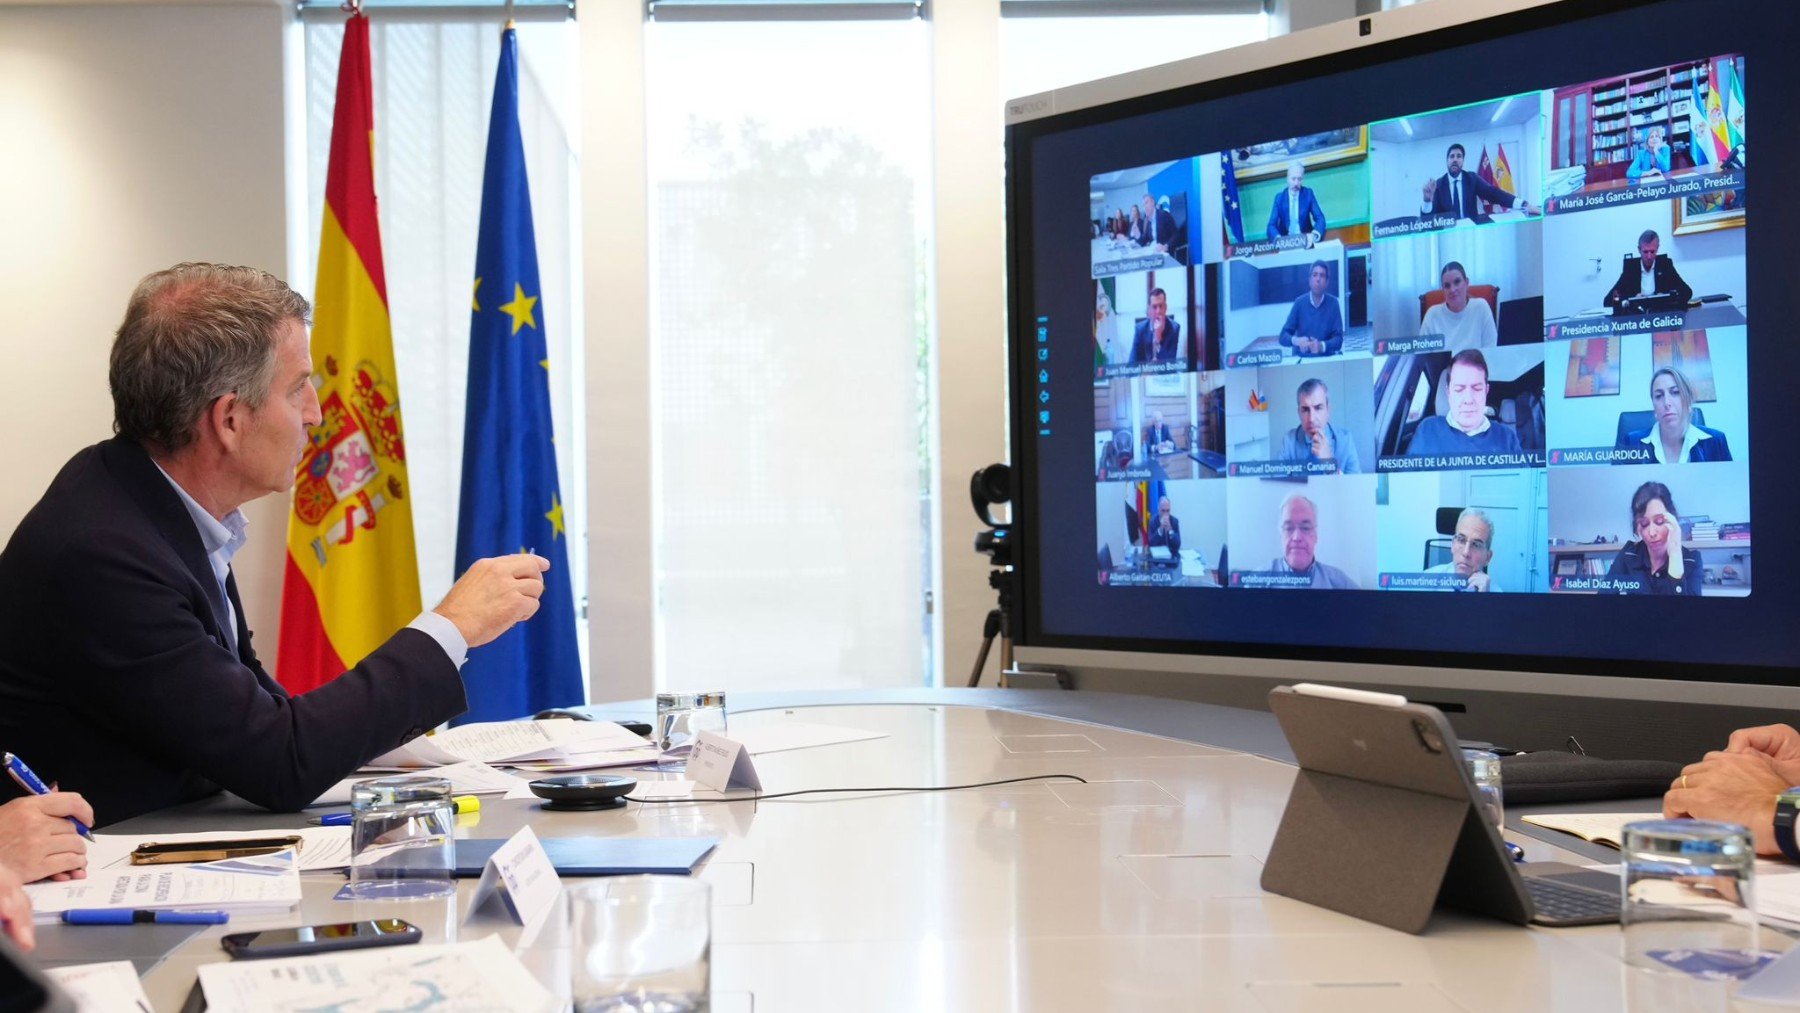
(1137, 890)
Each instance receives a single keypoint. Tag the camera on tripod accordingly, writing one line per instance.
(988, 488)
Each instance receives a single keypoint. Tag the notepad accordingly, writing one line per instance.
(599, 856)
(1598, 828)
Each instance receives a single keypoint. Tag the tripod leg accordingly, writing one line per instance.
(990, 628)
(987, 642)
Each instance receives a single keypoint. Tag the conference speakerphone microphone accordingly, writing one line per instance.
(583, 792)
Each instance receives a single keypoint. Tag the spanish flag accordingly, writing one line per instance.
(1503, 177)
(352, 571)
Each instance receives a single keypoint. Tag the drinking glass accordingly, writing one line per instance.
(641, 944)
(1688, 902)
(402, 838)
(681, 717)
(1484, 770)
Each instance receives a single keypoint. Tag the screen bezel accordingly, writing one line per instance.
(1352, 45)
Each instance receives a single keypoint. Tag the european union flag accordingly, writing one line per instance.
(1234, 215)
(510, 498)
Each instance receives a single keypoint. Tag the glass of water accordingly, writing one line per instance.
(641, 944)
(402, 838)
(681, 717)
(1484, 770)
(1688, 902)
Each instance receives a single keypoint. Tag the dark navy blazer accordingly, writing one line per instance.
(115, 680)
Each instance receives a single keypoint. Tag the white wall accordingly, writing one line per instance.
(969, 247)
(1409, 516)
(1346, 522)
(1594, 421)
(137, 137)
(614, 238)
(1708, 261)
(1211, 197)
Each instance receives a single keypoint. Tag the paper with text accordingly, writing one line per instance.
(720, 763)
(102, 988)
(477, 977)
(266, 882)
(511, 742)
(531, 884)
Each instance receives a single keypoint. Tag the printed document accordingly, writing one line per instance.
(263, 883)
(478, 977)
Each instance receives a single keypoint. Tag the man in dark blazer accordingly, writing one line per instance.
(1159, 228)
(1649, 273)
(1158, 338)
(126, 666)
(1458, 193)
(1156, 434)
(1165, 530)
(1297, 211)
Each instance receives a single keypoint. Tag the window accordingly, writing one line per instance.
(789, 162)
(1038, 54)
(434, 84)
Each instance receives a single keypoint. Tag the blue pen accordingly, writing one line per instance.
(335, 820)
(35, 784)
(106, 916)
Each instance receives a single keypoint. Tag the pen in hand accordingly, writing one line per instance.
(34, 784)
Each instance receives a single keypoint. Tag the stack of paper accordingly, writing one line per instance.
(544, 745)
(452, 978)
(263, 883)
(470, 777)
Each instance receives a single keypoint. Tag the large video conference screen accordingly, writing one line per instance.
(1454, 333)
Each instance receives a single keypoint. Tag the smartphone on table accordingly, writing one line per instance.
(310, 939)
(157, 853)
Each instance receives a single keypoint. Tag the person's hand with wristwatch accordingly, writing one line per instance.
(1744, 788)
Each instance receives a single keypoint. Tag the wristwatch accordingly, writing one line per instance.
(1787, 807)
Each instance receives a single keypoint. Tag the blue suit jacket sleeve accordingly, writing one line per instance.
(1309, 206)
